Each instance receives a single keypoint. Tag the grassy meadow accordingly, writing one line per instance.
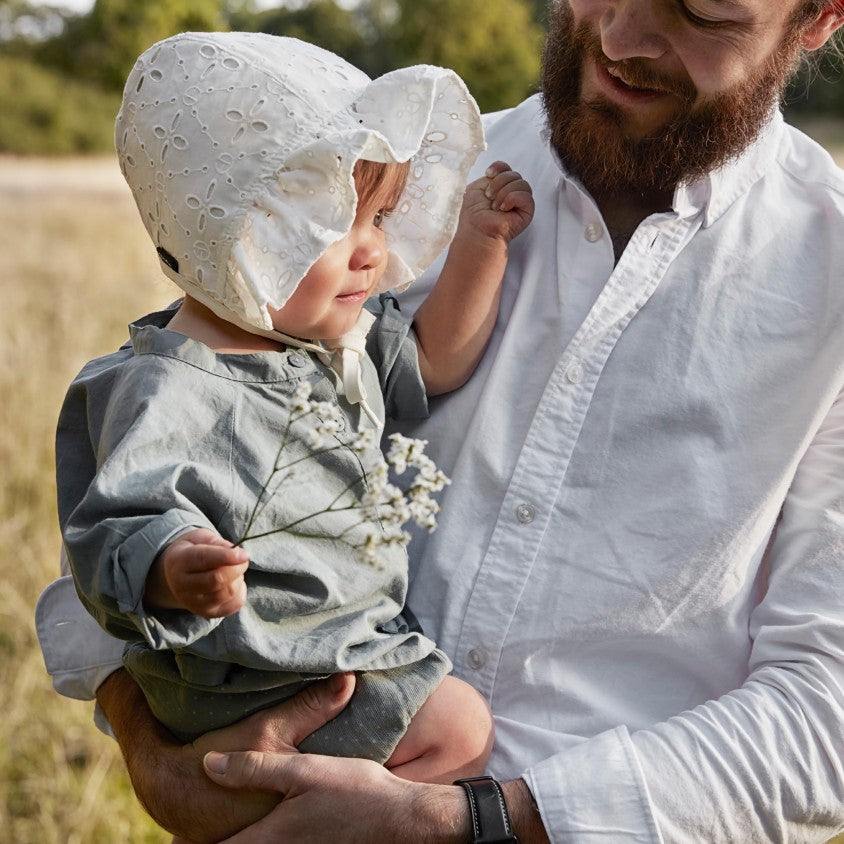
(76, 267)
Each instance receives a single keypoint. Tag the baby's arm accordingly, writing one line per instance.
(199, 572)
(454, 323)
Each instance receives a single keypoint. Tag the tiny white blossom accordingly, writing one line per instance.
(423, 509)
(322, 435)
(431, 479)
(327, 411)
(301, 403)
(404, 452)
(363, 440)
(386, 507)
(377, 479)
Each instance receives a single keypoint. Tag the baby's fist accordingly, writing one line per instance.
(199, 572)
(500, 203)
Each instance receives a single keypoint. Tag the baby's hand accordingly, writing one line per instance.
(199, 572)
(499, 204)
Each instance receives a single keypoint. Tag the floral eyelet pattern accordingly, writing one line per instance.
(239, 150)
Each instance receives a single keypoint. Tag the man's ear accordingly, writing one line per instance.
(823, 27)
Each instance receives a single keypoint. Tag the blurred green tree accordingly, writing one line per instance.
(103, 45)
(23, 23)
(493, 44)
(322, 22)
(817, 88)
(540, 11)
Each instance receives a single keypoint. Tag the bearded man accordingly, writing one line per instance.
(639, 561)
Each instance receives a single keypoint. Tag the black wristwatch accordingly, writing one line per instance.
(490, 818)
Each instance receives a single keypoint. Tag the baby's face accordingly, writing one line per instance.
(329, 298)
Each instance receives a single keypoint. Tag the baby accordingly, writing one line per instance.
(282, 189)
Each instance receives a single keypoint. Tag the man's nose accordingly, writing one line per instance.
(633, 29)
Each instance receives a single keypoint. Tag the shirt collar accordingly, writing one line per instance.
(715, 192)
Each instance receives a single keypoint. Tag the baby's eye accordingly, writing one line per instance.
(380, 216)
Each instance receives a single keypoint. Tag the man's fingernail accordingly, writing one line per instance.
(490, 172)
(217, 763)
(337, 684)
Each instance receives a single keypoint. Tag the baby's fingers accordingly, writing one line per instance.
(506, 188)
(194, 558)
(496, 169)
(215, 593)
(515, 195)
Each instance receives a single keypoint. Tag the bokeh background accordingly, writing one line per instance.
(76, 266)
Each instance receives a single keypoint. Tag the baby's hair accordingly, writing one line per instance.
(373, 177)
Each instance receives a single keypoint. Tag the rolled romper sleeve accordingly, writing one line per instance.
(141, 497)
(391, 345)
(762, 763)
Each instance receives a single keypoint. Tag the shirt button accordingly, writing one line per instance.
(574, 373)
(525, 513)
(593, 232)
(296, 360)
(476, 659)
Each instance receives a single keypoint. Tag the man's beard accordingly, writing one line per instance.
(590, 136)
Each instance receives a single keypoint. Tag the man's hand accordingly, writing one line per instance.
(329, 799)
(199, 572)
(168, 777)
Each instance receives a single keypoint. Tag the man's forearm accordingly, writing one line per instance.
(167, 776)
(524, 814)
(446, 815)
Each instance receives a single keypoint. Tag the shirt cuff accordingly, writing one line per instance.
(595, 792)
(78, 653)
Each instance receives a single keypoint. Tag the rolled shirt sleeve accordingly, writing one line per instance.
(78, 653)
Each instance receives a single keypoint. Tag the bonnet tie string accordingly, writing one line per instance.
(343, 355)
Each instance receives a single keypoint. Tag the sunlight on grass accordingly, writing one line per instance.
(76, 267)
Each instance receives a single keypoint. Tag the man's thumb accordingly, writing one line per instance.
(247, 769)
(317, 704)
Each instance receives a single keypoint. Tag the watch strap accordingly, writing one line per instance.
(488, 811)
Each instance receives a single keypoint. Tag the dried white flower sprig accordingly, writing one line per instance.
(378, 501)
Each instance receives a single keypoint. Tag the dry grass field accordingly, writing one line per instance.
(75, 267)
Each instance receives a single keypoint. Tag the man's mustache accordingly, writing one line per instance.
(638, 74)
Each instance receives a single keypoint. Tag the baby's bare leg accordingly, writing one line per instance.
(449, 738)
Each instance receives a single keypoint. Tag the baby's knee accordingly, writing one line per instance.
(449, 738)
(470, 719)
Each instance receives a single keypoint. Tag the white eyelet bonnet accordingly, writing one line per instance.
(239, 150)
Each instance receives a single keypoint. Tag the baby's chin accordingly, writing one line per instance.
(328, 329)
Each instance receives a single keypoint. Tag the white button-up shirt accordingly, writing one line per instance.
(640, 561)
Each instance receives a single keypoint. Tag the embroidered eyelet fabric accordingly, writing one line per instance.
(239, 150)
